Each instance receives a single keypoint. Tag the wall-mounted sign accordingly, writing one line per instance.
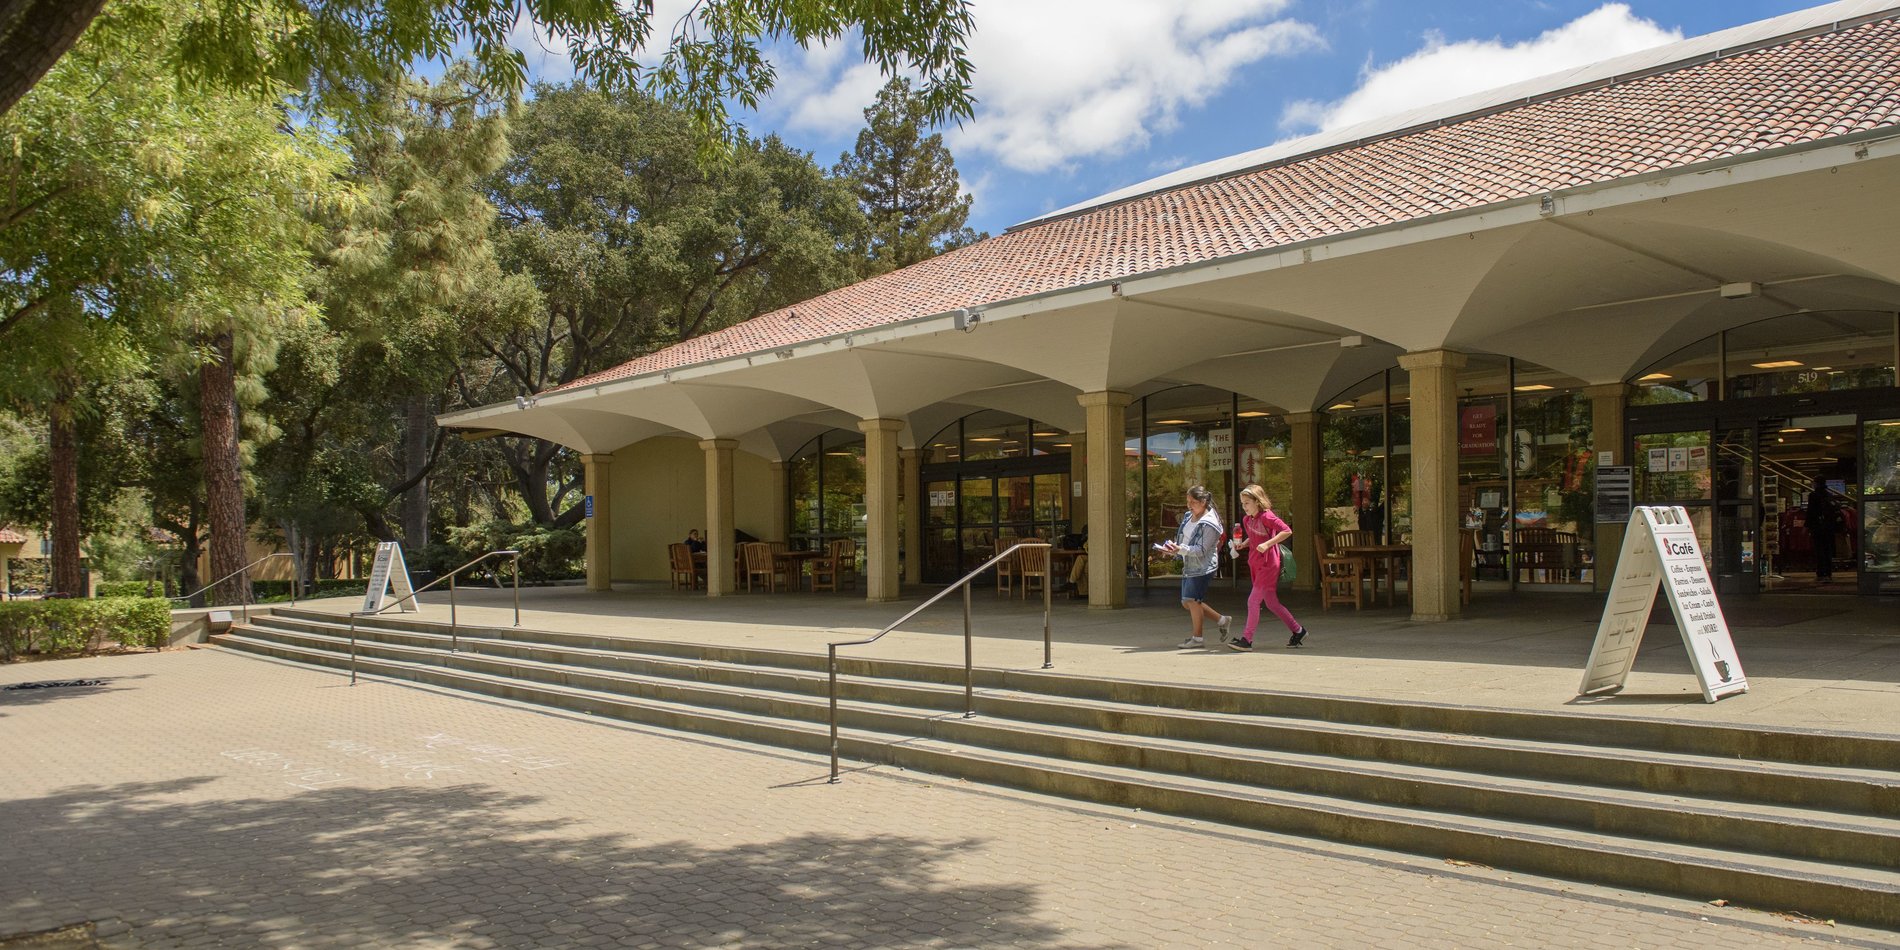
(1614, 483)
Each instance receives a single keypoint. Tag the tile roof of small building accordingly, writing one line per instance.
(10, 536)
(1781, 95)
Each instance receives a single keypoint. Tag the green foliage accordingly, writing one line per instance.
(81, 626)
(144, 588)
(271, 592)
(906, 182)
(547, 553)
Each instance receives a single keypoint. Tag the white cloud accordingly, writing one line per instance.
(1441, 71)
(1059, 80)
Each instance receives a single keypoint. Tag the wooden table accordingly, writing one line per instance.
(1392, 555)
(794, 563)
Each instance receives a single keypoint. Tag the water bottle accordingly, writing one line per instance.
(1240, 538)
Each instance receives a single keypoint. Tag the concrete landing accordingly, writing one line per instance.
(1813, 661)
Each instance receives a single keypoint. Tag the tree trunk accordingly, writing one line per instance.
(224, 475)
(193, 548)
(63, 446)
(417, 423)
(34, 34)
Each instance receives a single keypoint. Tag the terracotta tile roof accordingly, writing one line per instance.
(1796, 92)
(10, 536)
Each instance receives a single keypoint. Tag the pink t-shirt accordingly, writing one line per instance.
(1259, 528)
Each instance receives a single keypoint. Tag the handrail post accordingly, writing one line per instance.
(831, 664)
(452, 628)
(1048, 605)
(517, 565)
(969, 659)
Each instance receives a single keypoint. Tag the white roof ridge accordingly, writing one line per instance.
(1815, 20)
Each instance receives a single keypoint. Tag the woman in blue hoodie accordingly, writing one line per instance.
(1197, 544)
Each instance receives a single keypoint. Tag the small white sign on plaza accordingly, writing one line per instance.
(390, 572)
(1660, 548)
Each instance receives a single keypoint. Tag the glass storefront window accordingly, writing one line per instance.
(1811, 352)
(1687, 375)
(1181, 425)
(994, 435)
(1352, 470)
(1880, 511)
(1554, 459)
(826, 481)
(1672, 468)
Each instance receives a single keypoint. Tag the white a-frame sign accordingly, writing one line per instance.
(1661, 546)
(390, 573)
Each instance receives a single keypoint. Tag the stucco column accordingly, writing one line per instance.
(778, 524)
(719, 522)
(1107, 497)
(880, 508)
(1434, 387)
(1302, 510)
(1607, 403)
(910, 490)
(598, 484)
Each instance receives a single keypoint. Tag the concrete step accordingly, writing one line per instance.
(1871, 752)
(946, 745)
(1873, 841)
(1869, 792)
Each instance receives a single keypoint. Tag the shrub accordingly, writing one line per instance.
(546, 553)
(270, 592)
(129, 589)
(82, 626)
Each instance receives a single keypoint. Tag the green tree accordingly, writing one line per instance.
(907, 183)
(331, 48)
(626, 242)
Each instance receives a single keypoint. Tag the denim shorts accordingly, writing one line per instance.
(1195, 588)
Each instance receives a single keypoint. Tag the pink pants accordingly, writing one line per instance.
(1265, 592)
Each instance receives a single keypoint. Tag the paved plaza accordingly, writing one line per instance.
(204, 798)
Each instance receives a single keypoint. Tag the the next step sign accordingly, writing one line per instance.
(1660, 546)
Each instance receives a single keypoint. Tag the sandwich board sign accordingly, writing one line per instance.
(1660, 548)
(390, 573)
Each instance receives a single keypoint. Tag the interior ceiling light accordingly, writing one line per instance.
(984, 438)
(1340, 405)
(1776, 364)
(1794, 429)
(1271, 457)
(1531, 388)
(1254, 414)
(1822, 368)
(1064, 445)
(1045, 435)
(1644, 379)
(1171, 422)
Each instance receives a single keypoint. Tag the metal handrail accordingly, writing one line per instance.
(969, 663)
(248, 593)
(454, 629)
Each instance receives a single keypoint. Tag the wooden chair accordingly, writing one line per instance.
(1006, 572)
(1032, 564)
(759, 564)
(1373, 568)
(1340, 578)
(837, 570)
(684, 573)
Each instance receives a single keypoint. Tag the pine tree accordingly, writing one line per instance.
(907, 183)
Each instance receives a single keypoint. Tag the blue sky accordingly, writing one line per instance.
(1076, 99)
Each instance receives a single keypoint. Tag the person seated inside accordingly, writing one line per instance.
(694, 542)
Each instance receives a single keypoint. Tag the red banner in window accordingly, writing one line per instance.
(1478, 430)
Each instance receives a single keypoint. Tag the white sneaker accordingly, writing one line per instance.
(1222, 625)
(1191, 643)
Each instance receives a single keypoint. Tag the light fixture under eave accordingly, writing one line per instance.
(1172, 422)
(1532, 388)
(1341, 405)
(1045, 435)
(1777, 364)
(1253, 414)
(1821, 369)
(1653, 376)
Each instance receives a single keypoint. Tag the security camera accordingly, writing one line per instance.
(966, 319)
(521, 402)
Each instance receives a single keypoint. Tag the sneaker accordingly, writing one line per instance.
(1240, 644)
(1298, 637)
(1191, 643)
(1222, 625)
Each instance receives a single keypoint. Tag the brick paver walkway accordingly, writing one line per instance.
(205, 798)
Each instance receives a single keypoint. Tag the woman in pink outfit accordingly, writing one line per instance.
(1264, 531)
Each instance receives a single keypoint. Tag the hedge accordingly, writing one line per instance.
(82, 626)
(128, 588)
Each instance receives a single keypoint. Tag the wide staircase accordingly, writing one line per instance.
(1780, 820)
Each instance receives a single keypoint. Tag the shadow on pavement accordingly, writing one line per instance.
(361, 868)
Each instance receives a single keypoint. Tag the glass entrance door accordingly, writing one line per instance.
(1810, 476)
(980, 508)
(1672, 468)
